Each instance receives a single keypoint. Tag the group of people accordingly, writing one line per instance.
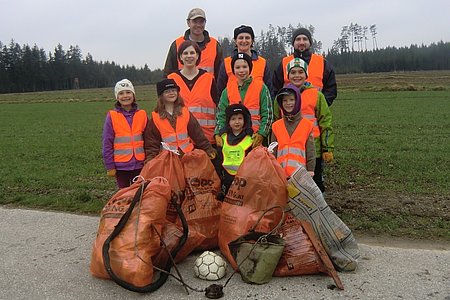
(226, 107)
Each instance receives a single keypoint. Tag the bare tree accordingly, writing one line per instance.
(373, 31)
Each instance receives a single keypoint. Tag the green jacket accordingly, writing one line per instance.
(325, 142)
(265, 108)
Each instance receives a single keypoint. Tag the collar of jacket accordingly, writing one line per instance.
(293, 118)
(246, 83)
(305, 55)
(202, 44)
(254, 53)
(118, 107)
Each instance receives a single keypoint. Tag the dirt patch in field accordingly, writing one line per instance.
(371, 213)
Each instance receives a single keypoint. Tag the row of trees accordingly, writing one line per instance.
(25, 68)
(29, 69)
(354, 37)
(414, 58)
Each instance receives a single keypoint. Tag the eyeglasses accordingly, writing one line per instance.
(170, 91)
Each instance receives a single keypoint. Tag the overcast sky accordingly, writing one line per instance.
(140, 32)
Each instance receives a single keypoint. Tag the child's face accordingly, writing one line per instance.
(288, 103)
(170, 95)
(189, 57)
(297, 76)
(236, 123)
(125, 98)
(241, 69)
(244, 42)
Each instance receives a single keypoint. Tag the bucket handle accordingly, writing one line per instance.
(262, 215)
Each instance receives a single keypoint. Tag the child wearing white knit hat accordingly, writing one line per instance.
(123, 142)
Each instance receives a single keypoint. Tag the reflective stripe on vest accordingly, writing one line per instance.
(308, 109)
(315, 70)
(251, 99)
(208, 55)
(128, 141)
(259, 65)
(292, 149)
(233, 155)
(199, 102)
(175, 138)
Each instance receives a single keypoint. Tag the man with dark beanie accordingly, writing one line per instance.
(320, 72)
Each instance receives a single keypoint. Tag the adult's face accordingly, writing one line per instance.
(301, 43)
(197, 25)
(189, 57)
(244, 42)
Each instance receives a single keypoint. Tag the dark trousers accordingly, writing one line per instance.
(125, 178)
(318, 174)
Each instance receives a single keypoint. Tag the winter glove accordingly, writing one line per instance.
(257, 140)
(212, 154)
(111, 173)
(328, 157)
(219, 141)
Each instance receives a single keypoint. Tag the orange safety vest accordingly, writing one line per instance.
(208, 55)
(128, 141)
(292, 149)
(251, 99)
(315, 70)
(175, 138)
(199, 102)
(308, 109)
(258, 68)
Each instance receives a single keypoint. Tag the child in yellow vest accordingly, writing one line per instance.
(236, 143)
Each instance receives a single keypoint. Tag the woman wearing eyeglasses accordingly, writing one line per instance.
(172, 123)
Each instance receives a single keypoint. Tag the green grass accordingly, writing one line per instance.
(393, 141)
(390, 174)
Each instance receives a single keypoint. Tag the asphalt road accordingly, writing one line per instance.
(46, 255)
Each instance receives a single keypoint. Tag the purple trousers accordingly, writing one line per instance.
(125, 178)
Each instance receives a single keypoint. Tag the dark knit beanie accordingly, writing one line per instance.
(299, 31)
(244, 29)
(243, 56)
(166, 84)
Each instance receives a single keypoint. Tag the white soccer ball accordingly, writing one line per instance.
(210, 266)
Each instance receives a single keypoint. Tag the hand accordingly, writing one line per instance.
(111, 173)
(219, 141)
(212, 154)
(257, 140)
(328, 157)
(311, 173)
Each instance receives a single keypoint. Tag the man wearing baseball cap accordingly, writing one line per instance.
(211, 55)
(320, 72)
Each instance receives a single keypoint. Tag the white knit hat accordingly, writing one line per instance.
(123, 85)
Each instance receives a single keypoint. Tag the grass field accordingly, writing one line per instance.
(391, 173)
